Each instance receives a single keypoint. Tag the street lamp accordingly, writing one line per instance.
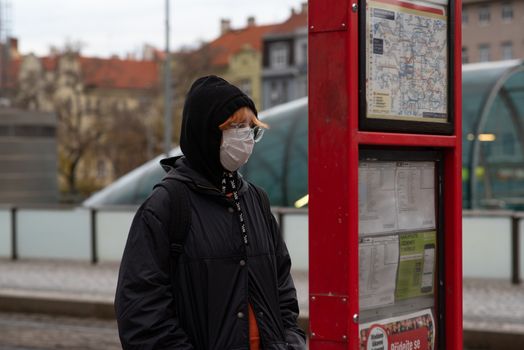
(167, 89)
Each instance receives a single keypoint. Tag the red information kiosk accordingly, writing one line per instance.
(385, 246)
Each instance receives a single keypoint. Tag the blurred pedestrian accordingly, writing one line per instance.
(229, 287)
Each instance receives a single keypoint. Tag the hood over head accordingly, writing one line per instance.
(209, 103)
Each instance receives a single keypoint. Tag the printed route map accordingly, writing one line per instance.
(407, 61)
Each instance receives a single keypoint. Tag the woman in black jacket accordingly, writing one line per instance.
(230, 288)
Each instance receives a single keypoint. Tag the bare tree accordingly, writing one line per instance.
(122, 130)
(81, 125)
(131, 138)
(93, 127)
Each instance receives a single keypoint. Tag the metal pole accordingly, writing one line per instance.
(281, 224)
(167, 89)
(3, 43)
(14, 235)
(94, 243)
(515, 250)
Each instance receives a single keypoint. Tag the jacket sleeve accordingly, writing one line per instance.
(144, 302)
(295, 337)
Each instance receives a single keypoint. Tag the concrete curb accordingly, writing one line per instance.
(62, 305)
(493, 340)
(66, 306)
(58, 306)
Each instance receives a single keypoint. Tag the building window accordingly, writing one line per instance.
(464, 16)
(274, 94)
(279, 56)
(278, 93)
(304, 52)
(507, 50)
(465, 58)
(302, 90)
(484, 55)
(484, 14)
(507, 11)
(101, 169)
(245, 86)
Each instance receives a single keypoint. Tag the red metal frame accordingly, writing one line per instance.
(334, 141)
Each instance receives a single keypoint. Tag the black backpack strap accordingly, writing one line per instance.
(181, 219)
(264, 199)
(266, 207)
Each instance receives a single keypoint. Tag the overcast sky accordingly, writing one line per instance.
(107, 27)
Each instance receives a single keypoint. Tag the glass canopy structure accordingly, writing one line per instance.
(493, 147)
(278, 163)
(493, 135)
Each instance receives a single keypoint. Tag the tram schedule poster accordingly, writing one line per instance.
(414, 331)
(397, 231)
(396, 196)
(406, 62)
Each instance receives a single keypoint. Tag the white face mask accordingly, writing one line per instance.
(237, 146)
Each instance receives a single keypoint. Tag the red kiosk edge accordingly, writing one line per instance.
(334, 145)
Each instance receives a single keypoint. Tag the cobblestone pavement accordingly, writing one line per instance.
(41, 332)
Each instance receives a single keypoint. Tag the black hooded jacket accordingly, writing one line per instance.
(203, 303)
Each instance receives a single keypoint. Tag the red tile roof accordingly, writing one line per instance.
(233, 41)
(49, 63)
(110, 73)
(119, 74)
(297, 20)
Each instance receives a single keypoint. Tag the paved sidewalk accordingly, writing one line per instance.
(68, 279)
(493, 305)
(490, 305)
(71, 281)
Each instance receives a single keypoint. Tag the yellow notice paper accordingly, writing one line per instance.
(417, 264)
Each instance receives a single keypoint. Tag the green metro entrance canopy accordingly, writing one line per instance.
(493, 147)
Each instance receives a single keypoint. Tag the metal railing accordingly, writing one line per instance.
(515, 217)
(100, 233)
(92, 218)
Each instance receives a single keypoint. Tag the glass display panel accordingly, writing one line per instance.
(405, 65)
(397, 254)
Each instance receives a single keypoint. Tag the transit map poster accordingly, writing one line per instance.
(415, 331)
(407, 60)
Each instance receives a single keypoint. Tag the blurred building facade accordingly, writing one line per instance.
(236, 55)
(8, 49)
(492, 147)
(268, 62)
(284, 73)
(492, 30)
(9, 55)
(105, 112)
(28, 157)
